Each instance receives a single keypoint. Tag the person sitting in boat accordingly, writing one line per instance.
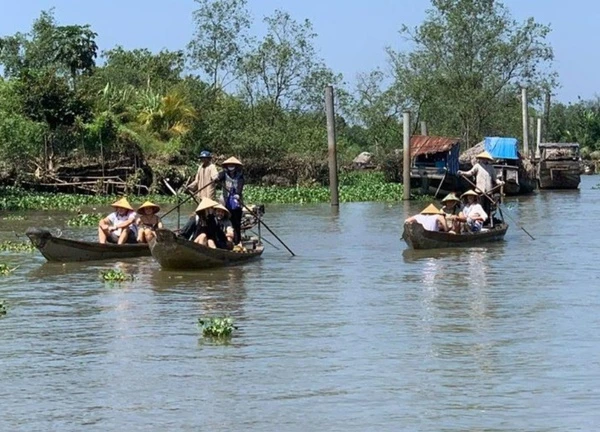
(119, 226)
(224, 233)
(452, 207)
(472, 215)
(232, 181)
(432, 219)
(147, 221)
(485, 177)
(201, 226)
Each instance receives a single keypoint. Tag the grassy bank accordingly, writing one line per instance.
(354, 187)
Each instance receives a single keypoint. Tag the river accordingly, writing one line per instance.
(355, 333)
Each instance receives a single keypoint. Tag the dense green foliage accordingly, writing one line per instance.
(353, 187)
(262, 97)
(11, 246)
(216, 328)
(85, 219)
(113, 276)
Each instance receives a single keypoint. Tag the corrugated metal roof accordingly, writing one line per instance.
(559, 145)
(422, 144)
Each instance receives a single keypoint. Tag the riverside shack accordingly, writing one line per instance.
(434, 163)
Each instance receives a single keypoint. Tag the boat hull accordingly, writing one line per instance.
(418, 237)
(57, 249)
(176, 253)
(559, 179)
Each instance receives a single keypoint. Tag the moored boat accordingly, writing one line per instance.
(173, 252)
(559, 166)
(58, 249)
(418, 237)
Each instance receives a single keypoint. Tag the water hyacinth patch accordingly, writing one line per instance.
(5, 270)
(217, 327)
(3, 307)
(113, 275)
(13, 218)
(85, 219)
(11, 246)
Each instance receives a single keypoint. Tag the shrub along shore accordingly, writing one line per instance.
(354, 187)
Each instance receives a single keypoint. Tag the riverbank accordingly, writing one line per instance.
(354, 187)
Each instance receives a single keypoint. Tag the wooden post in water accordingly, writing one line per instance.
(331, 146)
(423, 128)
(525, 122)
(547, 114)
(538, 140)
(406, 156)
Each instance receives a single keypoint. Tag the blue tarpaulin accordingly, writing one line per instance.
(501, 148)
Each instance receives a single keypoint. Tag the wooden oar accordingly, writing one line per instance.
(498, 204)
(188, 198)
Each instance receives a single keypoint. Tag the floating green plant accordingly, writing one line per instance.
(6, 270)
(3, 307)
(115, 276)
(215, 327)
(11, 246)
(85, 219)
(13, 218)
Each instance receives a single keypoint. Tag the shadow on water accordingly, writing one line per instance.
(458, 254)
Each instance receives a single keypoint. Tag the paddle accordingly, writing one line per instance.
(260, 221)
(187, 199)
(499, 204)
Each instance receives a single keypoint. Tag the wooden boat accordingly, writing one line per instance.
(173, 252)
(559, 166)
(58, 249)
(418, 237)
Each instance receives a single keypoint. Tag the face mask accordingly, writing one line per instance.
(231, 168)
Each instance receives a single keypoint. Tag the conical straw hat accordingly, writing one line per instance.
(484, 155)
(122, 203)
(232, 161)
(222, 207)
(206, 203)
(470, 192)
(147, 204)
(431, 210)
(451, 197)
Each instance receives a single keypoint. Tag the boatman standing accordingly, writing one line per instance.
(203, 185)
(485, 178)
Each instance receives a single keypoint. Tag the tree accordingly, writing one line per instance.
(221, 27)
(468, 60)
(69, 50)
(281, 64)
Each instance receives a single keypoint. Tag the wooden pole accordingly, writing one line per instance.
(547, 114)
(331, 146)
(423, 128)
(539, 137)
(531, 136)
(406, 156)
(525, 122)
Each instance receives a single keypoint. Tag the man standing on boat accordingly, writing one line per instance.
(485, 178)
(204, 184)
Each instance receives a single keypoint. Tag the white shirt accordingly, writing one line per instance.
(429, 222)
(469, 211)
(115, 218)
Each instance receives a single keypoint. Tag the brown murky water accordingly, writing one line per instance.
(356, 333)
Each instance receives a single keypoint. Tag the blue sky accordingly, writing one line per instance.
(352, 34)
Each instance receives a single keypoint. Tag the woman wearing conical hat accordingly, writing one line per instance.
(472, 215)
(224, 234)
(231, 180)
(200, 228)
(451, 207)
(119, 226)
(147, 221)
(431, 218)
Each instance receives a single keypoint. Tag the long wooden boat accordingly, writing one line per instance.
(173, 252)
(57, 249)
(418, 237)
(559, 166)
